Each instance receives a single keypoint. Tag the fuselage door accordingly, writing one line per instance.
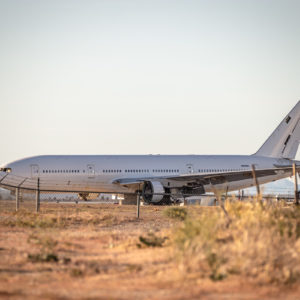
(91, 171)
(34, 171)
(190, 168)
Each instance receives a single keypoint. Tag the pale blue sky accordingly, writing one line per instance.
(121, 77)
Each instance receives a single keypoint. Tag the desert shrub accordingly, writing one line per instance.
(76, 272)
(261, 242)
(178, 213)
(151, 240)
(46, 246)
(43, 257)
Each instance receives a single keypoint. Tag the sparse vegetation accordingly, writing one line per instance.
(25, 218)
(76, 272)
(43, 257)
(178, 213)
(151, 240)
(261, 242)
(107, 247)
(46, 245)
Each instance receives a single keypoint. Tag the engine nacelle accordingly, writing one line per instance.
(153, 192)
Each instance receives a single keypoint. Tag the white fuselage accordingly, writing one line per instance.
(98, 173)
(161, 176)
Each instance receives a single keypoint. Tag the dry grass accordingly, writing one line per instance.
(177, 213)
(261, 242)
(61, 219)
(103, 252)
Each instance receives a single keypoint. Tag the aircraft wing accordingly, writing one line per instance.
(198, 179)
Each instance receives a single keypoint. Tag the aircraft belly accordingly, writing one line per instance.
(63, 184)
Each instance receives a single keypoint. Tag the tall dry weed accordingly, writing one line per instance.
(261, 242)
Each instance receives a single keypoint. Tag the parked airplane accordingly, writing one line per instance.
(159, 178)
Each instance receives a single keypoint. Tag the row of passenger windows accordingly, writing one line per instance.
(165, 171)
(141, 171)
(116, 171)
(145, 171)
(62, 171)
(218, 170)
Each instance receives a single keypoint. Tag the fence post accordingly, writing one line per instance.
(240, 195)
(185, 202)
(138, 200)
(256, 182)
(37, 196)
(296, 184)
(17, 199)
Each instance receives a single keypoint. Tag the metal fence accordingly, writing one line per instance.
(41, 201)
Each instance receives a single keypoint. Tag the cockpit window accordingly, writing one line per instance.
(7, 170)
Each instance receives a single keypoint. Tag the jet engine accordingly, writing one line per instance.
(154, 192)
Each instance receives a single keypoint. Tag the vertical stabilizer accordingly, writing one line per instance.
(284, 141)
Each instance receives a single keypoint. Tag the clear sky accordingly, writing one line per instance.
(140, 77)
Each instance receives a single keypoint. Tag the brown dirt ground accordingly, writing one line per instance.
(99, 258)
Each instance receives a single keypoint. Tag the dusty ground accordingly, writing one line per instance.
(89, 251)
